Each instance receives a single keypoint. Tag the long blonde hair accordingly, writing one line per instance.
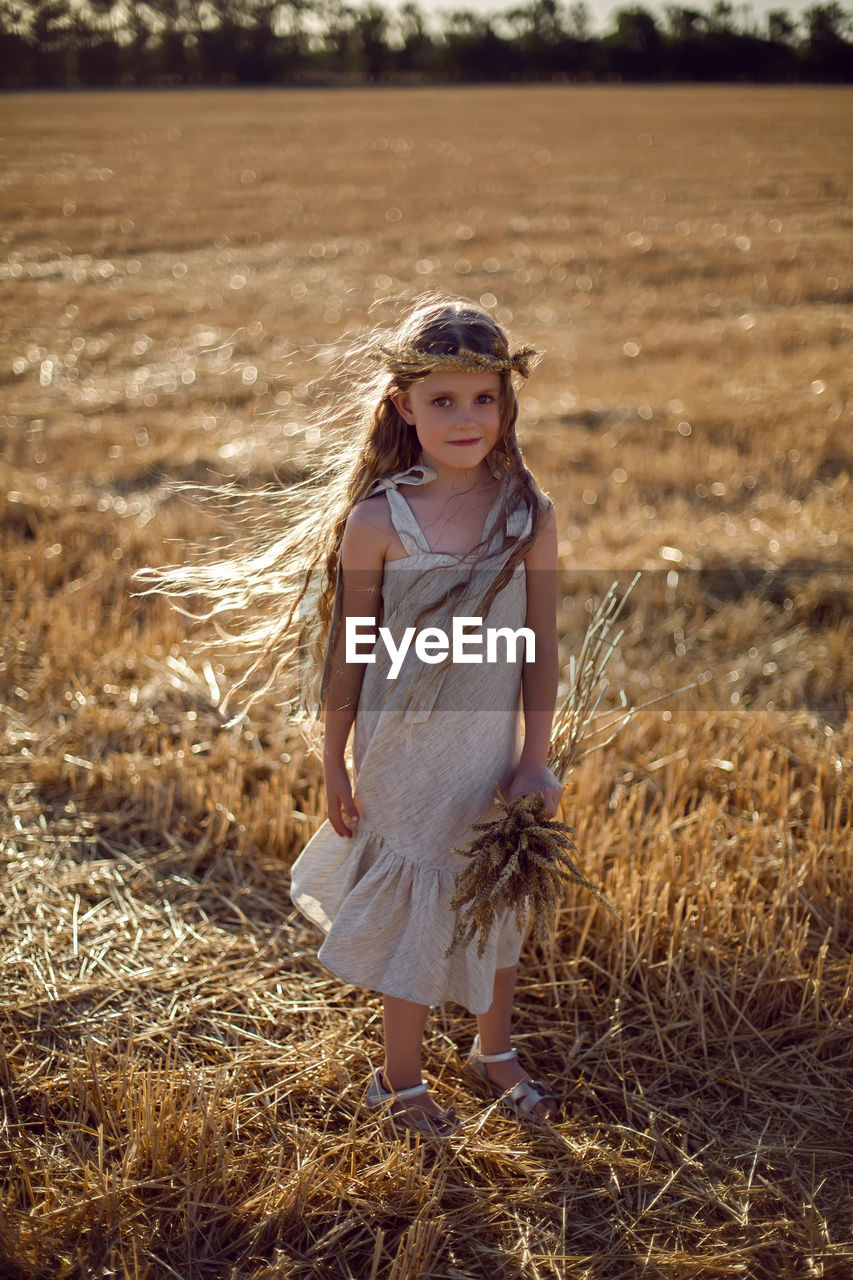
(271, 600)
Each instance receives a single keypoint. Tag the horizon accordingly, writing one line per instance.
(603, 12)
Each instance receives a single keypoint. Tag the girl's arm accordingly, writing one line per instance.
(539, 678)
(362, 559)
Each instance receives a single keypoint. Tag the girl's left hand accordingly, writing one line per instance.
(528, 780)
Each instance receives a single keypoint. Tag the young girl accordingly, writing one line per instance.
(443, 536)
(422, 521)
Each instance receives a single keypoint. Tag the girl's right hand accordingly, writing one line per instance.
(342, 807)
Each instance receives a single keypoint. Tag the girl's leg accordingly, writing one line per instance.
(404, 1024)
(494, 1027)
(495, 1024)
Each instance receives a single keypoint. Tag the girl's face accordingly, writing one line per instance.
(456, 415)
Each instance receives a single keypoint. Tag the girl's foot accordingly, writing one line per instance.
(503, 1073)
(412, 1107)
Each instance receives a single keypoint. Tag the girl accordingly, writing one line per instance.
(445, 528)
(424, 521)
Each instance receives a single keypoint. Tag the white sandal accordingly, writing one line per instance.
(520, 1099)
(379, 1097)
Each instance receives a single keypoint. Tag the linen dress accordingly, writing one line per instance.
(428, 749)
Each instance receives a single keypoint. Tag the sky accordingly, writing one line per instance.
(602, 11)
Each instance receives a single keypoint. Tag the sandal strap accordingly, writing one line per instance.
(490, 1057)
(444, 1124)
(415, 1091)
(498, 1057)
(529, 1093)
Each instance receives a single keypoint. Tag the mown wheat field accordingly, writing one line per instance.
(181, 1079)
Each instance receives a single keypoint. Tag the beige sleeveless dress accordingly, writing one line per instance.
(428, 748)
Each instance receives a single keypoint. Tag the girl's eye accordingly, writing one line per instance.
(440, 401)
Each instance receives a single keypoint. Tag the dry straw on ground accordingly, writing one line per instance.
(181, 1080)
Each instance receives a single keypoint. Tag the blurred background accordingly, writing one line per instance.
(173, 42)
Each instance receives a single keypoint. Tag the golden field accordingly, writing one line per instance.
(181, 1078)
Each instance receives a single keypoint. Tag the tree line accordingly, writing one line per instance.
(74, 43)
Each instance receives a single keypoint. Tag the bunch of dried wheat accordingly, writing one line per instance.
(522, 858)
(519, 862)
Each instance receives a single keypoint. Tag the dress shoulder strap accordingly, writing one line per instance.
(519, 522)
(407, 528)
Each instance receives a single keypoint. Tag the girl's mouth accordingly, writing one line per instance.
(465, 443)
